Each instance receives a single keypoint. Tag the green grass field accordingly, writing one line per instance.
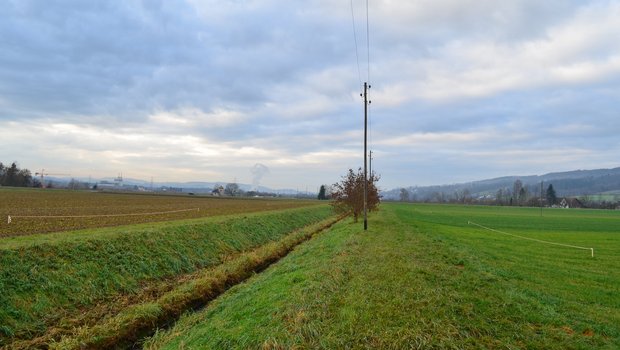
(421, 277)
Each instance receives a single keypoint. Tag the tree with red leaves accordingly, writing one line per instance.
(348, 194)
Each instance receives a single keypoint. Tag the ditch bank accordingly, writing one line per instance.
(127, 329)
(52, 286)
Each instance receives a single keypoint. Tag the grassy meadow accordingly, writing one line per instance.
(422, 277)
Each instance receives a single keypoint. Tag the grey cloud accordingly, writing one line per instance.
(286, 72)
(123, 58)
(72, 56)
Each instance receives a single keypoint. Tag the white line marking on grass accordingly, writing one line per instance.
(531, 239)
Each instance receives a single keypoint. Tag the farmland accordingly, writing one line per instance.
(56, 284)
(72, 210)
(422, 277)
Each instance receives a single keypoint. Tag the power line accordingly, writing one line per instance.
(368, 72)
(359, 71)
(368, 41)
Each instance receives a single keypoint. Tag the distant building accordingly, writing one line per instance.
(218, 191)
(570, 203)
(107, 186)
(171, 189)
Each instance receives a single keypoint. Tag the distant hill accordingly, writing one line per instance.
(569, 183)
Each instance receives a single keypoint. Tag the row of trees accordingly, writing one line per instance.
(519, 195)
(232, 189)
(523, 196)
(12, 175)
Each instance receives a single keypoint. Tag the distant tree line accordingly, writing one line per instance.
(232, 189)
(12, 175)
(518, 195)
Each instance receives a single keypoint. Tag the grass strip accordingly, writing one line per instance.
(412, 284)
(46, 282)
(137, 321)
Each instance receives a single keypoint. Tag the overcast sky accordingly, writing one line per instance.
(203, 90)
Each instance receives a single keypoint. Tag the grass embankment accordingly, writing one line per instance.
(127, 327)
(421, 277)
(48, 281)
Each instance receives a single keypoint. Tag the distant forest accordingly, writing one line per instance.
(14, 176)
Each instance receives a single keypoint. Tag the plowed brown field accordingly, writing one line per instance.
(42, 211)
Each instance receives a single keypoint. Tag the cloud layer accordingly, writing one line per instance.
(203, 90)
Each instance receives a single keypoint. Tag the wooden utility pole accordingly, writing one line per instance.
(365, 157)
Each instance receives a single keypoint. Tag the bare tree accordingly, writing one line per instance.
(516, 190)
(231, 189)
(523, 194)
(466, 197)
(499, 197)
(404, 195)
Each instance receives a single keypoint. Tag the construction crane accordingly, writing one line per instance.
(42, 175)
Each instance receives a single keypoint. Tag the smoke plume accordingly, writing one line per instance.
(258, 171)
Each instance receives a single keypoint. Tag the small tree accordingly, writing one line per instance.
(10, 175)
(23, 178)
(499, 197)
(348, 194)
(551, 197)
(14, 176)
(523, 195)
(322, 195)
(466, 197)
(231, 189)
(36, 183)
(516, 190)
(404, 195)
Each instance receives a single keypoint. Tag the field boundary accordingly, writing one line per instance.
(531, 239)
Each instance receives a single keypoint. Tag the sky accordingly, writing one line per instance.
(193, 90)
